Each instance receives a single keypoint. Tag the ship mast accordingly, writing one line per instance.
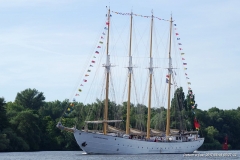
(169, 82)
(129, 80)
(150, 83)
(107, 68)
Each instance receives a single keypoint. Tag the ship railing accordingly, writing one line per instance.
(99, 121)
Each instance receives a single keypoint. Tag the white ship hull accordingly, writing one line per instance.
(93, 143)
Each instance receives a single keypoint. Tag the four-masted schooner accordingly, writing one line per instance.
(109, 143)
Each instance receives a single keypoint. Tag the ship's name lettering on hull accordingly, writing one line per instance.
(99, 137)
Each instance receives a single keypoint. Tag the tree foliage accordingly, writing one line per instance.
(30, 98)
(29, 123)
(3, 116)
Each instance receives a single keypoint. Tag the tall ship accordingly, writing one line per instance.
(117, 136)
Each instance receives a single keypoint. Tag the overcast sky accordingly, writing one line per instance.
(43, 44)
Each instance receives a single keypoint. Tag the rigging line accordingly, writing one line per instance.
(178, 109)
(88, 114)
(94, 77)
(67, 104)
(87, 61)
(155, 40)
(176, 55)
(125, 86)
(153, 92)
(144, 93)
(157, 58)
(138, 15)
(163, 86)
(182, 108)
(156, 93)
(174, 79)
(164, 95)
(113, 91)
(161, 117)
(134, 84)
(174, 106)
(182, 63)
(103, 84)
(119, 37)
(141, 38)
(161, 43)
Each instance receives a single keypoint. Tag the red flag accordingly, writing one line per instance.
(107, 23)
(196, 124)
(180, 48)
(98, 46)
(167, 76)
(97, 52)
(85, 80)
(93, 61)
(177, 34)
(183, 58)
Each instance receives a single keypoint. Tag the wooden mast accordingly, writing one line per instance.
(129, 80)
(107, 66)
(169, 82)
(150, 84)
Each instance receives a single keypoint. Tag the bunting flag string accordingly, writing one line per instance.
(93, 61)
(183, 58)
(139, 15)
(100, 43)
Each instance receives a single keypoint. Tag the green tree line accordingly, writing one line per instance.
(29, 123)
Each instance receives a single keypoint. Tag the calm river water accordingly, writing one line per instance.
(79, 155)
